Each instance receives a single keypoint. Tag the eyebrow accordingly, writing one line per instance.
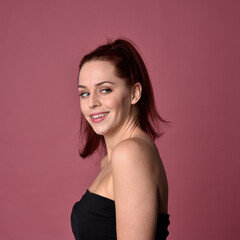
(97, 84)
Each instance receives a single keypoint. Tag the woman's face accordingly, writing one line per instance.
(105, 99)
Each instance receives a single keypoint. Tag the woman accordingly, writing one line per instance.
(129, 197)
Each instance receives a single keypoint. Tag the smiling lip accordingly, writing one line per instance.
(98, 117)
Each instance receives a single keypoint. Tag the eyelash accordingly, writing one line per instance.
(106, 90)
(82, 94)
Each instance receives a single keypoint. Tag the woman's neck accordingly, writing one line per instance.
(128, 130)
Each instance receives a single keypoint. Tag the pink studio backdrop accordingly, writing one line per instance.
(191, 49)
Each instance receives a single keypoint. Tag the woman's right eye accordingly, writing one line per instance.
(84, 94)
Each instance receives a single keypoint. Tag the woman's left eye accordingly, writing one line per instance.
(106, 90)
(83, 94)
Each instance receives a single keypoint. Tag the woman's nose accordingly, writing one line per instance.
(94, 101)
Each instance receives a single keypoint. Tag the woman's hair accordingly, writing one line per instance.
(130, 67)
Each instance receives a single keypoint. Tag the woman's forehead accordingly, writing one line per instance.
(97, 71)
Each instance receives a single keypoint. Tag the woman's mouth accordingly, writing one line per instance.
(98, 117)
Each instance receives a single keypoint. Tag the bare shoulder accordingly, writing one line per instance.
(135, 149)
(134, 160)
(135, 189)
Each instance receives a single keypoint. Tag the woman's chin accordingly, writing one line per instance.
(100, 132)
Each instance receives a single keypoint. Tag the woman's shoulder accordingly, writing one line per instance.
(134, 185)
(137, 145)
(134, 152)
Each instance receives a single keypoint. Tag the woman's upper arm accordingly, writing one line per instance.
(134, 191)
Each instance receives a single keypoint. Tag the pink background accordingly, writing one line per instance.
(192, 51)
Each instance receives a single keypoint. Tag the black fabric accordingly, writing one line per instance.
(93, 218)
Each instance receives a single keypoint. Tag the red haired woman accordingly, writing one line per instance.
(129, 197)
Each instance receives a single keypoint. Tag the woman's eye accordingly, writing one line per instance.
(106, 90)
(84, 94)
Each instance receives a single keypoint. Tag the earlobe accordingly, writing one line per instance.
(136, 93)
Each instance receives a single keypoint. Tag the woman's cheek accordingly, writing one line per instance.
(112, 103)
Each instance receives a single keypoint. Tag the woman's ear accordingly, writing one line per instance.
(136, 92)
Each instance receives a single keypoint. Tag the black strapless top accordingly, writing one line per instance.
(93, 218)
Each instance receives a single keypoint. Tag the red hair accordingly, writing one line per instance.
(130, 67)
